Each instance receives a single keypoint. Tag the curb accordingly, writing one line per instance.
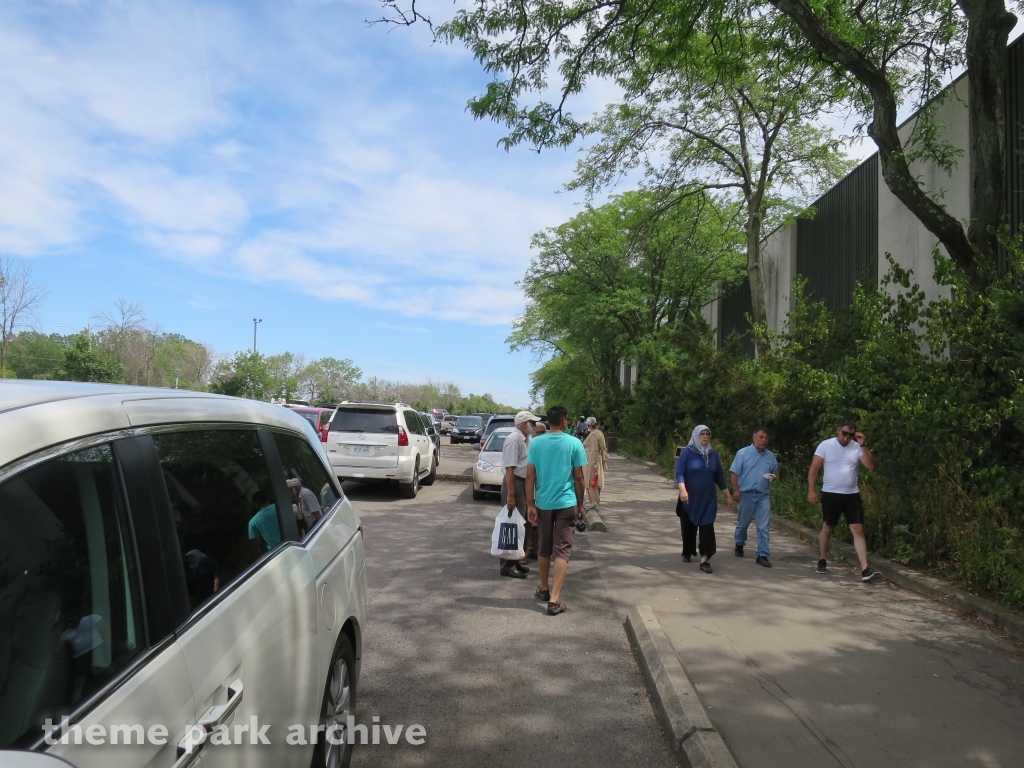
(455, 478)
(1006, 619)
(676, 704)
(595, 523)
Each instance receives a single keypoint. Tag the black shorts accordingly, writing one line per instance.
(836, 505)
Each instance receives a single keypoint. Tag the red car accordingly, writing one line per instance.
(318, 417)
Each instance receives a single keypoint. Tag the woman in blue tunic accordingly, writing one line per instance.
(698, 471)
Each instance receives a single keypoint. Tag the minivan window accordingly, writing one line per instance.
(310, 486)
(469, 421)
(223, 504)
(70, 603)
(365, 420)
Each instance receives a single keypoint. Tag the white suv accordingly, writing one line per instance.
(377, 441)
(175, 567)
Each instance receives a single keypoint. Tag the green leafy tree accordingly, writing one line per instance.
(82, 361)
(248, 374)
(604, 283)
(34, 355)
(891, 54)
(329, 379)
(729, 113)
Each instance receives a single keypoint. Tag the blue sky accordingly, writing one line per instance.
(216, 161)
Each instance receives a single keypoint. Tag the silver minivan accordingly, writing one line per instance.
(181, 577)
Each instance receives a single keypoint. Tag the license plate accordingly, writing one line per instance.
(360, 449)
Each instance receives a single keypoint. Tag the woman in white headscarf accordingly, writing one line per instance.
(698, 470)
(596, 447)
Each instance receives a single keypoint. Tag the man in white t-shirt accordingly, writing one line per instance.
(840, 495)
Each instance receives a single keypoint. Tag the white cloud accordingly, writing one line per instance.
(266, 143)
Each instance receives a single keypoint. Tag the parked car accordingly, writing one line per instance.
(318, 417)
(467, 430)
(382, 442)
(433, 434)
(487, 471)
(447, 423)
(163, 581)
(496, 422)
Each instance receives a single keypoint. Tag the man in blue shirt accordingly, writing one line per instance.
(753, 470)
(264, 524)
(554, 499)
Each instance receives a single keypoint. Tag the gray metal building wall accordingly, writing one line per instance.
(735, 307)
(839, 247)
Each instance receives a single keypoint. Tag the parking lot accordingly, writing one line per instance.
(476, 660)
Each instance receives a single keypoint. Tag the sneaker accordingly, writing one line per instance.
(822, 566)
(762, 560)
(543, 594)
(706, 567)
(739, 550)
(686, 558)
(867, 574)
(556, 608)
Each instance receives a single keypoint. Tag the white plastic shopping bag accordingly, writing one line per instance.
(507, 538)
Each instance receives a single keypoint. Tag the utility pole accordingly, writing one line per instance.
(255, 324)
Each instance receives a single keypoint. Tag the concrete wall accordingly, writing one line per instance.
(899, 231)
(778, 257)
(710, 314)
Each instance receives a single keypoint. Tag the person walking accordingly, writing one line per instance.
(840, 493)
(698, 471)
(580, 430)
(554, 497)
(753, 470)
(596, 447)
(513, 488)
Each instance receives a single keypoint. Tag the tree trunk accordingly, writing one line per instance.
(989, 25)
(988, 29)
(759, 311)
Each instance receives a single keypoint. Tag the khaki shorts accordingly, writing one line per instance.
(555, 529)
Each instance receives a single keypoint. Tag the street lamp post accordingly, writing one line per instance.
(255, 324)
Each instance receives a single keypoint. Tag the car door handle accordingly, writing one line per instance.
(220, 714)
(190, 746)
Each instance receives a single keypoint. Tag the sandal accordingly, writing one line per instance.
(543, 594)
(556, 608)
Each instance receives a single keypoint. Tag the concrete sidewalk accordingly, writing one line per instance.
(799, 669)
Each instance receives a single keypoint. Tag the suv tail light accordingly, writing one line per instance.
(323, 434)
(403, 436)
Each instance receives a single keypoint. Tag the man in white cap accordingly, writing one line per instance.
(305, 505)
(513, 486)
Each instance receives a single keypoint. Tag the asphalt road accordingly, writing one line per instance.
(475, 659)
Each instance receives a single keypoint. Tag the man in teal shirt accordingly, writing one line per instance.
(554, 498)
(264, 523)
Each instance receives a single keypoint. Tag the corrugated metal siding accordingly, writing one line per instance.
(839, 247)
(734, 309)
(1014, 140)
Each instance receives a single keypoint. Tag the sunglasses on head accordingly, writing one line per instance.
(847, 434)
